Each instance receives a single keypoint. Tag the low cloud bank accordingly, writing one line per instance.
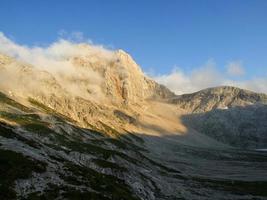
(209, 75)
(86, 82)
(57, 60)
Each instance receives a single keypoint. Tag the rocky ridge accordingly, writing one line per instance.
(222, 97)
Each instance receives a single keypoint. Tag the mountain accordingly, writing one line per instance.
(230, 115)
(223, 97)
(93, 126)
(90, 89)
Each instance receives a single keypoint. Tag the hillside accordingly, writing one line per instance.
(98, 128)
(230, 115)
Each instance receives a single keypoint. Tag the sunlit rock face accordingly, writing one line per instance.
(98, 75)
(123, 79)
(87, 86)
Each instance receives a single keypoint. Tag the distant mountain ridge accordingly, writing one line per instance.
(222, 97)
(230, 115)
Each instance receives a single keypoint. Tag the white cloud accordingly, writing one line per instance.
(235, 68)
(180, 82)
(255, 84)
(207, 76)
(74, 36)
(56, 59)
(54, 54)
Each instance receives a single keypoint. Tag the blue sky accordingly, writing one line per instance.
(160, 35)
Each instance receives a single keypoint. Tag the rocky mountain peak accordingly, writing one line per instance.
(88, 87)
(126, 60)
(123, 81)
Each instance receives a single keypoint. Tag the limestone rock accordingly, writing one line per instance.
(217, 98)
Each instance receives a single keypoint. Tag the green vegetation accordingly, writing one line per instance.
(109, 186)
(43, 130)
(21, 119)
(15, 166)
(50, 111)
(30, 122)
(7, 132)
(85, 131)
(97, 150)
(90, 149)
(40, 105)
(39, 129)
(124, 117)
(136, 138)
(32, 125)
(109, 131)
(97, 141)
(81, 146)
(6, 100)
(120, 143)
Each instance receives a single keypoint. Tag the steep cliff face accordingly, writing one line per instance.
(110, 75)
(123, 79)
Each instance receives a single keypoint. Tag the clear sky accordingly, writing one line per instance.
(160, 35)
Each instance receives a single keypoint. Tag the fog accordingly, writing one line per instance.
(58, 60)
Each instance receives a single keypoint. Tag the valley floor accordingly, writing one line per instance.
(208, 172)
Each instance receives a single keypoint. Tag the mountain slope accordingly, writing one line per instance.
(230, 115)
(242, 127)
(89, 90)
(95, 127)
(44, 155)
